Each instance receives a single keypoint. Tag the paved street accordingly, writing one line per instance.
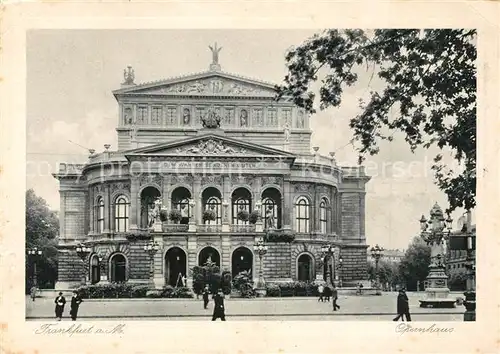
(353, 308)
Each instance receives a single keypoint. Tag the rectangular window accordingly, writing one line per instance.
(272, 117)
(257, 118)
(286, 116)
(172, 116)
(156, 115)
(142, 115)
(199, 114)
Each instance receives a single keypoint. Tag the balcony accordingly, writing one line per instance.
(209, 228)
(165, 227)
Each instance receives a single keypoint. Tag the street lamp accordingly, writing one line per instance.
(328, 251)
(377, 253)
(83, 251)
(34, 253)
(261, 249)
(338, 268)
(151, 248)
(470, 264)
(434, 232)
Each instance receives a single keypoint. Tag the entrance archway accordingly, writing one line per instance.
(242, 260)
(209, 253)
(175, 264)
(118, 269)
(305, 268)
(95, 271)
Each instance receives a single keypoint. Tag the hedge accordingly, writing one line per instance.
(289, 289)
(124, 290)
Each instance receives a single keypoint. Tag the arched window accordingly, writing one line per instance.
(302, 212)
(95, 272)
(241, 200)
(323, 215)
(271, 208)
(122, 213)
(180, 201)
(99, 216)
(214, 203)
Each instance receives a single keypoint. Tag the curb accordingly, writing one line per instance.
(253, 315)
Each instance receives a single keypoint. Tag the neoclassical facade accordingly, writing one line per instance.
(209, 141)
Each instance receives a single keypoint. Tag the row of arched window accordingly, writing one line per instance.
(270, 210)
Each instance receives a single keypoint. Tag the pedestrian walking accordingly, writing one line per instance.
(327, 293)
(33, 291)
(321, 289)
(76, 300)
(335, 296)
(403, 306)
(60, 301)
(205, 296)
(219, 310)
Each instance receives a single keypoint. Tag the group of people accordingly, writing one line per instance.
(325, 293)
(60, 302)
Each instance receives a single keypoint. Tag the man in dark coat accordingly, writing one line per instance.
(60, 301)
(219, 310)
(335, 296)
(205, 297)
(76, 300)
(403, 306)
(327, 293)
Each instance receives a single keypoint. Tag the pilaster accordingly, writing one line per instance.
(198, 199)
(107, 209)
(362, 236)
(62, 216)
(159, 279)
(134, 206)
(192, 245)
(226, 252)
(287, 205)
(226, 202)
(257, 191)
(91, 210)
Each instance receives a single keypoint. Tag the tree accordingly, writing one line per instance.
(430, 80)
(457, 279)
(42, 228)
(388, 273)
(414, 266)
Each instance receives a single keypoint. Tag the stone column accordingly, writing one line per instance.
(107, 209)
(197, 199)
(286, 205)
(226, 203)
(257, 191)
(226, 252)
(338, 214)
(91, 210)
(134, 205)
(166, 192)
(192, 261)
(314, 227)
(362, 237)
(158, 278)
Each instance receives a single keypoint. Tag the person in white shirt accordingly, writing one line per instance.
(321, 289)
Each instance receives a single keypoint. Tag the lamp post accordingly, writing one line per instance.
(337, 268)
(328, 251)
(261, 249)
(83, 251)
(377, 253)
(34, 253)
(437, 292)
(151, 248)
(470, 293)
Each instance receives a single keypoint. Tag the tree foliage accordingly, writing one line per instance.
(388, 273)
(42, 228)
(414, 266)
(430, 80)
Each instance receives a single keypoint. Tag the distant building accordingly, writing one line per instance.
(456, 259)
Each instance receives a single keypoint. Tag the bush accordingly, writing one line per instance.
(273, 290)
(243, 215)
(226, 282)
(243, 283)
(209, 215)
(163, 215)
(113, 290)
(253, 217)
(182, 292)
(175, 215)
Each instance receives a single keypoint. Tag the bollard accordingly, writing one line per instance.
(470, 306)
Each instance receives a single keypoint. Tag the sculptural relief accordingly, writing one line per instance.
(210, 147)
(243, 118)
(215, 86)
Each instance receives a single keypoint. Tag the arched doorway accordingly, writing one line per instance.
(305, 268)
(95, 271)
(209, 253)
(148, 197)
(242, 260)
(118, 269)
(180, 201)
(175, 264)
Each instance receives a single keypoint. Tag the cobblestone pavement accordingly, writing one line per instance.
(354, 308)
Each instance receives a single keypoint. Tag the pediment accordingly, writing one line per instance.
(209, 84)
(209, 145)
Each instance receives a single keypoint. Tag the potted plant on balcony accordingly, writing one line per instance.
(175, 216)
(243, 215)
(254, 217)
(209, 215)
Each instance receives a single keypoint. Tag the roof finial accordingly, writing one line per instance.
(128, 76)
(215, 66)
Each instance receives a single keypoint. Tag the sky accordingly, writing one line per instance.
(71, 75)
